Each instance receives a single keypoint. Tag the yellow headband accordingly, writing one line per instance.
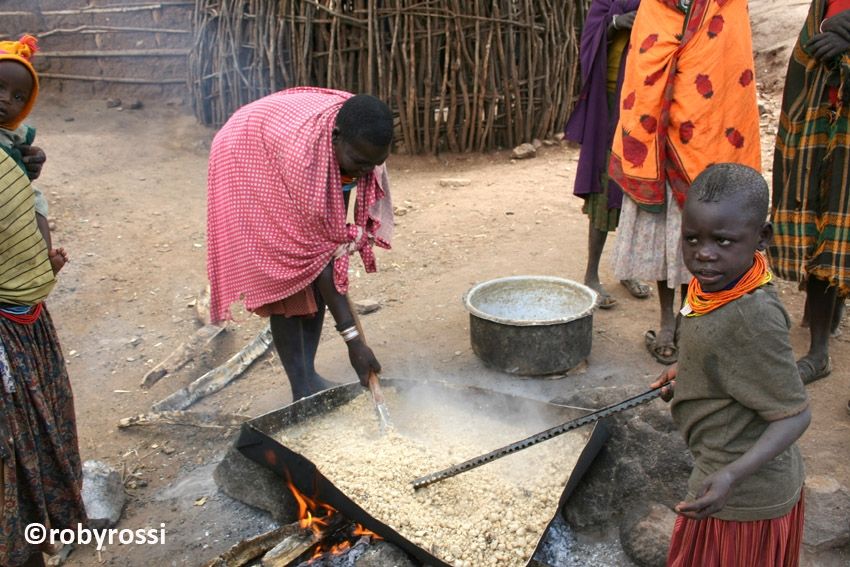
(21, 51)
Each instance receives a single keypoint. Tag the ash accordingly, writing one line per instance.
(556, 548)
(561, 548)
(347, 559)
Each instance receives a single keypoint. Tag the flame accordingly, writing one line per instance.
(317, 516)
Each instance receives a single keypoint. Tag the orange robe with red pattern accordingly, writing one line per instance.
(688, 98)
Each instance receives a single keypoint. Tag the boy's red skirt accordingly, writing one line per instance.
(722, 543)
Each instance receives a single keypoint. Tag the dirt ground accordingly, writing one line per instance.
(127, 194)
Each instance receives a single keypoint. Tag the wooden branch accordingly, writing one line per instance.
(108, 29)
(196, 419)
(182, 355)
(249, 549)
(118, 53)
(218, 378)
(348, 19)
(130, 80)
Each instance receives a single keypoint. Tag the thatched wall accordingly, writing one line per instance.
(116, 47)
(467, 75)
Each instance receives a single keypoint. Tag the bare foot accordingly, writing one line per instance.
(58, 258)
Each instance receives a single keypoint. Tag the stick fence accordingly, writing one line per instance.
(461, 76)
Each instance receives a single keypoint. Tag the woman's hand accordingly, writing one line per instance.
(668, 377)
(713, 495)
(626, 21)
(362, 359)
(838, 24)
(827, 46)
(33, 158)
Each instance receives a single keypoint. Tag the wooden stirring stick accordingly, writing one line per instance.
(374, 380)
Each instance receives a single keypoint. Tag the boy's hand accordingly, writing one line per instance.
(58, 258)
(668, 377)
(33, 158)
(713, 496)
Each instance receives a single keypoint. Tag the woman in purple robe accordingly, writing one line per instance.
(604, 45)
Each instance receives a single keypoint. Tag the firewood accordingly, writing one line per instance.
(197, 419)
(249, 549)
(182, 355)
(291, 548)
(219, 377)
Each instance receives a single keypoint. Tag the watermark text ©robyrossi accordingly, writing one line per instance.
(37, 534)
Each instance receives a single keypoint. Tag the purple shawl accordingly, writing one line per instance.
(585, 124)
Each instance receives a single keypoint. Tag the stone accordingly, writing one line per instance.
(454, 182)
(366, 306)
(644, 457)
(645, 534)
(537, 143)
(135, 104)
(524, 151)
(113, 102)
(242, 479)
(103, 494)
(383, 554)
(827, 511)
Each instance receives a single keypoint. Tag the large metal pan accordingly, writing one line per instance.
(257, 441)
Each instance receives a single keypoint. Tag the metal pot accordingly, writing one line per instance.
(531, 325)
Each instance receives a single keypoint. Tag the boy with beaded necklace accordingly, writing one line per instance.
(739, 401)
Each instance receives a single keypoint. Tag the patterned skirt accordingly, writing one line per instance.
(717, 543)
(40, 469)
(649, 245)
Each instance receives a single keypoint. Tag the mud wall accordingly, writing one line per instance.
(108, 48)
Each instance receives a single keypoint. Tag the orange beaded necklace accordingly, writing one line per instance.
(700, 302)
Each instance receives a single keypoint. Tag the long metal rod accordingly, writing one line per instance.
(537, 438)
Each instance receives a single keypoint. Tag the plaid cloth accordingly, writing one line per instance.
(811, 170)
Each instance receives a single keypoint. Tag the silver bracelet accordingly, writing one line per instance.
(349, 334)
(614, 21)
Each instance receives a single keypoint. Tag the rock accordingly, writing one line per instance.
(135, 104)
(536, 143)
(645, 534)
(103, 494)
(381, 554)
(560, 136)
(827, 513)
(113, 102)
(454, 182)
(242, 479)
(61, 557)
(524, 151)
(644, 457)
(365, 306)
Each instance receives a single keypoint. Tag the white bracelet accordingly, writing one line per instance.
(614, 21)
(349, 334)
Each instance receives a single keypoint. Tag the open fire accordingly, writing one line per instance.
(335, 534)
